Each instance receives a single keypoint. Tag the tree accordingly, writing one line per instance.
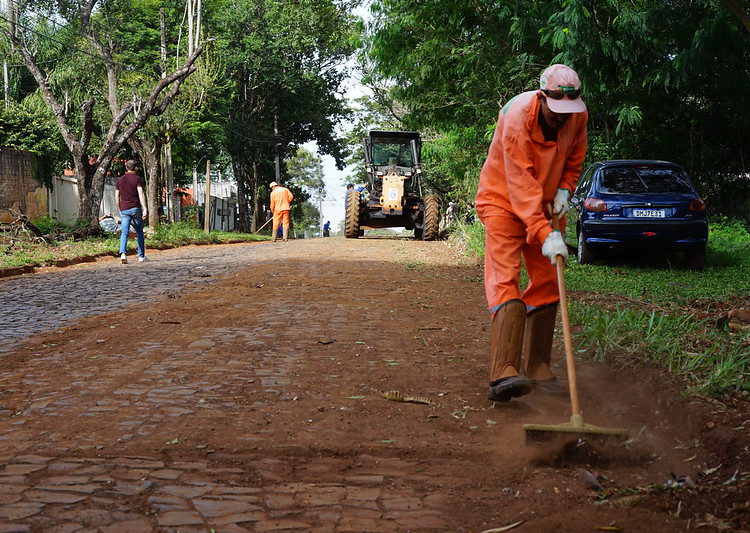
(660, 79)
(285, 62)
(88, 31)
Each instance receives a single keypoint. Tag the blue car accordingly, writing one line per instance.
(639, 206)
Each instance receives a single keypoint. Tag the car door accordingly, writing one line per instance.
(573, 216)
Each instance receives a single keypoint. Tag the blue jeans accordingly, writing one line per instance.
(132, 216)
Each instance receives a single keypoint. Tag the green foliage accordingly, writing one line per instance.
(714, 361)
(452, 161)
(47, 225)
(29, 127)
(166, 235)
(660, 79)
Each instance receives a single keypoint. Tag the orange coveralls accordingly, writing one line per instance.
(281, 200)
(519, 178)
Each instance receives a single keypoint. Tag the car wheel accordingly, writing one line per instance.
(585, 254)
(695, 259)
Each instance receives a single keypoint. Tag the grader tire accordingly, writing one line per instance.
(431, 220)
(351, 221)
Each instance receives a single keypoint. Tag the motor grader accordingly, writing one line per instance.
(393, 194)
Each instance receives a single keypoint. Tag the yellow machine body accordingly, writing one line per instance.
(393, 194)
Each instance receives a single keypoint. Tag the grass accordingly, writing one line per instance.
(654, 312)
(27, 253)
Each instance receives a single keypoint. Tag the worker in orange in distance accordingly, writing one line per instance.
(281, 203)
(534, 161)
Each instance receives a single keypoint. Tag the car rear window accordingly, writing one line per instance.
(643, 180)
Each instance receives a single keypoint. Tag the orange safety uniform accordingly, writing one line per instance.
(281, 203)
(519, 178)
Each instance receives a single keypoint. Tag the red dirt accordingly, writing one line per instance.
(271, 379)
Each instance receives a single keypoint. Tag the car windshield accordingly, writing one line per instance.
(645, 179)
(392, 153)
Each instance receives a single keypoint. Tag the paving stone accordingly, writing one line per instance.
(280, 525)
(64, 528)
(87, 517)
(238, 518)
(128, 526)
(362, 493)
(229, 528)
(89, 488)
(361, 525)
(130, 473)
(179, 518)
(279, 501)
(365, 479)
(213, 508)
(401, 504)
(16, 511)
(45, 496)
(19, 469)
(14, 528)
(186, 491)
(166, 473)
(66, 480)
(32, 459)
(137, 463)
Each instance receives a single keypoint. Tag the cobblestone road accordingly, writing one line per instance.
(45, 301)
(239, 388)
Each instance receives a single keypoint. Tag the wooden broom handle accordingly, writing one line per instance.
(567, 335)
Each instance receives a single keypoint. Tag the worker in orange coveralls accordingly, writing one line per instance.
(534, 161)
(281, 203)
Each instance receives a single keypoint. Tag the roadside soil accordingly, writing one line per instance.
(253, 403)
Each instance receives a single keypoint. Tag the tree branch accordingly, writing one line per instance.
(41, 79)
(739, 12)
(104, 53)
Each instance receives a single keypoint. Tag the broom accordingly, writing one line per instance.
(576, 426)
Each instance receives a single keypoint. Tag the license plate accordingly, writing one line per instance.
(649, 213)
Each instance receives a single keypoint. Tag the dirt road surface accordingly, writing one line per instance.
(238, 388)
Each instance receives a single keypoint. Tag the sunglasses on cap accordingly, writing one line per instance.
(571, 94)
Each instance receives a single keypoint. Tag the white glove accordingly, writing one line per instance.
(554, 246)
(560, 203)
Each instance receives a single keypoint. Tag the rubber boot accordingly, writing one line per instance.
(506, 341)
(285, 233)
(537, 350)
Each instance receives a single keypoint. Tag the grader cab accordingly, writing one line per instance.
(393, 195)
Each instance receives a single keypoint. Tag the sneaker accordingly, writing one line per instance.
(143, 259)
(124, 259)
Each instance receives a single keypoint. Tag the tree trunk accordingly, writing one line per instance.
(88, 200)
(256, 200)
(240, 174)
(149, 152)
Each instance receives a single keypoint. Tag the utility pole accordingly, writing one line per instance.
(207, 201)
(277, 145)
(6, 84)
(320, 211)
(169, 172)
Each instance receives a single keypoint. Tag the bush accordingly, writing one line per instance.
(47, 224)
